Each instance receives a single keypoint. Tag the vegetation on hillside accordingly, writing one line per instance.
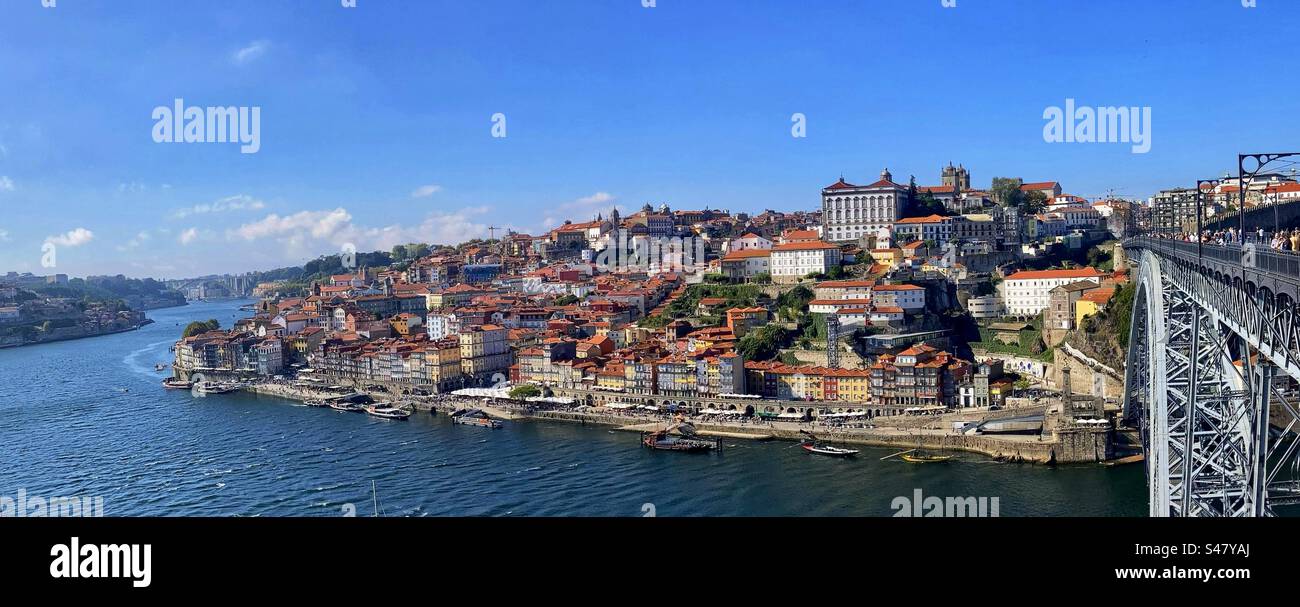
(200, 326)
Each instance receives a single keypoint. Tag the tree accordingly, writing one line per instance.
(1006, 190)
(763, 278)
(566, 300)
(525, 391)
(1032, 203)
(197, 327)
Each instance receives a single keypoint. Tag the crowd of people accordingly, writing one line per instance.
(1282, 240)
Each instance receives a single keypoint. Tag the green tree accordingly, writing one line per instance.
(763, 278)
(566, 300)
(198, 327)
(1032, 203)
(1006, 190)
(525, 391)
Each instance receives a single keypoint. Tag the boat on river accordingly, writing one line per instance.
(172, 383)
(828, 450)
(685, 440)
(383, 411)
(474, 417)
(208, 387)
(916, 457)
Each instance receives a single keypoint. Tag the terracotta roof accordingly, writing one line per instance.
(746, 254)
(1088, 272)
(804, 246)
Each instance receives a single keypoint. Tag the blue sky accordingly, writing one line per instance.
(376, 120)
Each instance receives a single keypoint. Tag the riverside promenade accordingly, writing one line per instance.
(898, 432)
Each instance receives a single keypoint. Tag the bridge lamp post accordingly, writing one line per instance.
(1260, 161)
(1200, 212)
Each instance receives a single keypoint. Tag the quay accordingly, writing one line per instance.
(1065, 443)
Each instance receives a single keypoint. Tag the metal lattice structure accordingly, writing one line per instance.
(832, 341)
(1214, 344)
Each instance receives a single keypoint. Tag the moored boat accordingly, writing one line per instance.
(345, 406)
(828, 450)
(172, 383)
(474, 417)
(208, 387)
(665, 442)
(388, 412)
(921, 458)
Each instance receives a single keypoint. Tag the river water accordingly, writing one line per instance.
(89, 418)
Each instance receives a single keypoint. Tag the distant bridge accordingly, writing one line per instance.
(1214, 355)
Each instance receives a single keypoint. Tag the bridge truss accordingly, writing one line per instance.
(1210, 352)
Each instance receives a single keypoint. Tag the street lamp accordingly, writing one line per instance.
(1200, 212)
(1261, 161)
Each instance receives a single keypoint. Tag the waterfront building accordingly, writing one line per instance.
(484, 352)
(920, 376)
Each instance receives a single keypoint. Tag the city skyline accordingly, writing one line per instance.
(377, 122)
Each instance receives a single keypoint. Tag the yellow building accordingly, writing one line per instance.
(1091, 303)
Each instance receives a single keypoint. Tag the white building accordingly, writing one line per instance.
(910, 298)
(440, 326)
(749, 241)
(746, 263)
(850, 212)
(1025, 292)
(794, 260)
(988, 306)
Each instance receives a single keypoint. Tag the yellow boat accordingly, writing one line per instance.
(924, 459)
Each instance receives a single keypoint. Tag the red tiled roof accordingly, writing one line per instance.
(1088, 272)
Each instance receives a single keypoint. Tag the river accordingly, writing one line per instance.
(88, 418)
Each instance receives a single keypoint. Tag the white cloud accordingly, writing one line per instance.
(133, 187)
(73, 238)
(188, 236)
(254, 50)
(314, 232)
(230, 203)
(426, 191)
(6, 184)
(4, 235)
(134, 242)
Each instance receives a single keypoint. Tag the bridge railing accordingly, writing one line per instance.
(1253, 256)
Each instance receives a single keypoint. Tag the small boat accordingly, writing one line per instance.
(474, 417)
(664, 440)
(921, 458)
(821, 449)
(345, 406)
(208, 387)
(159, 367)
(171, 383)
(386, 412)
(316, 403)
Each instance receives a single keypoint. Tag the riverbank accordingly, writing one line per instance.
(145, 323)
(1009, 448)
